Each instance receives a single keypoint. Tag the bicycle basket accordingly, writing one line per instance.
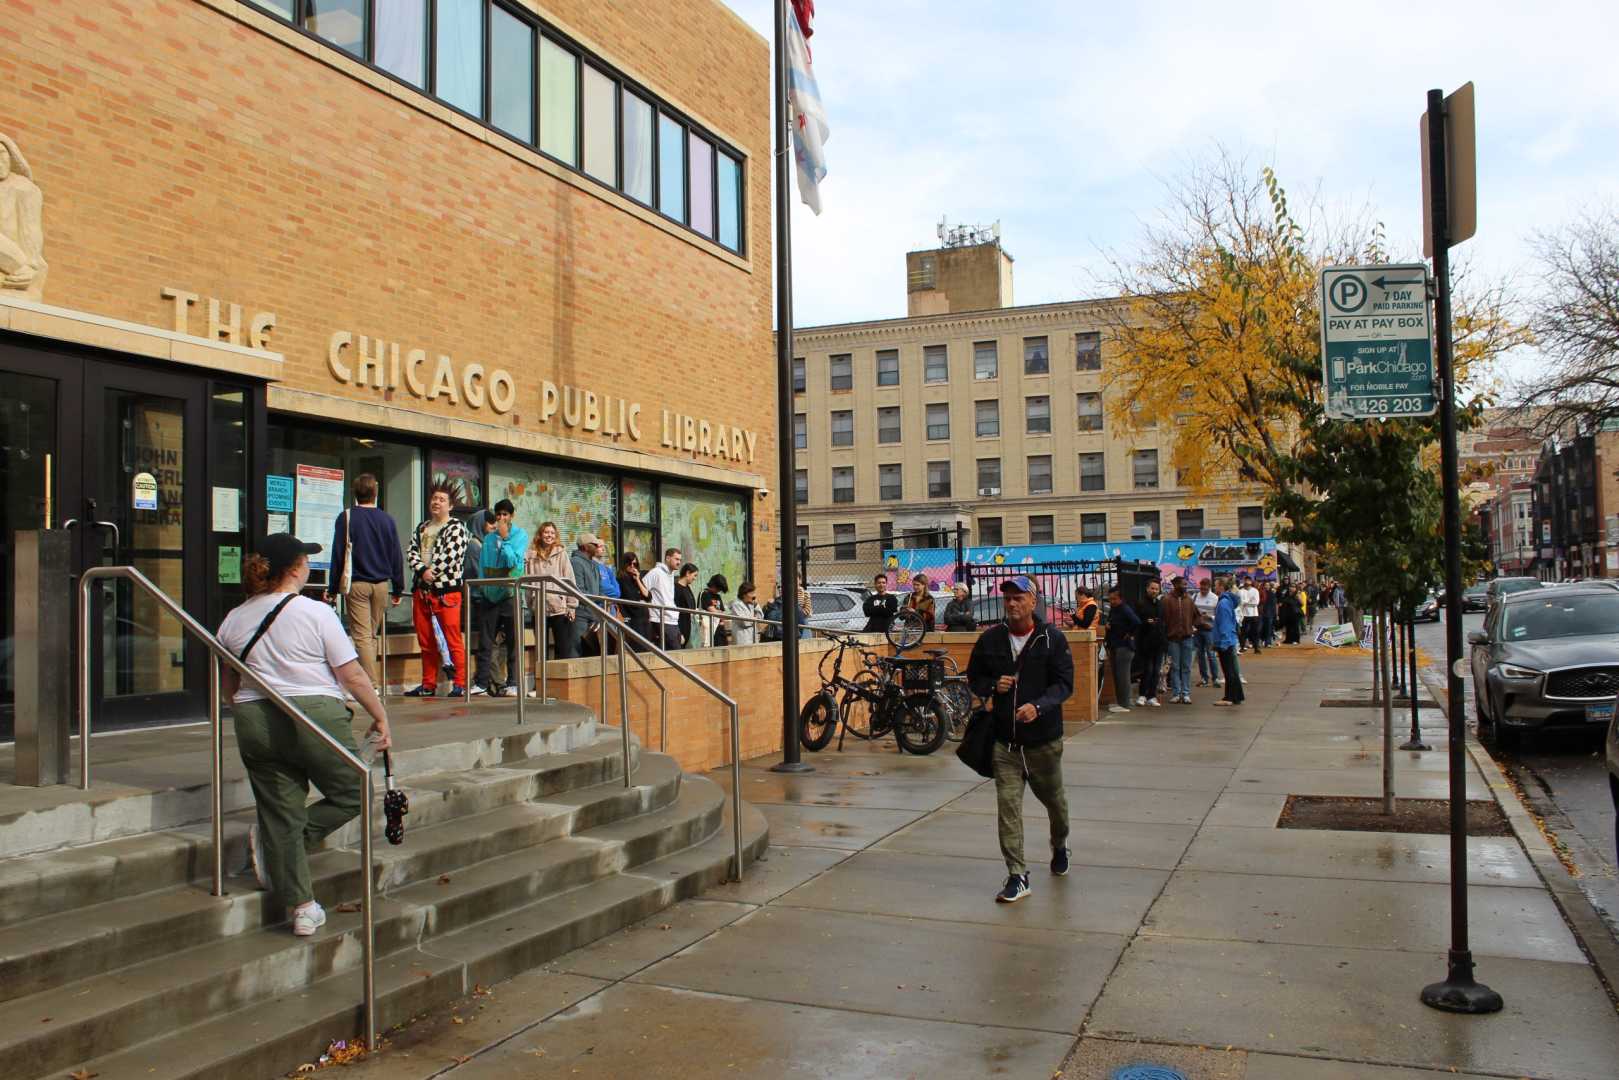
(919, 675)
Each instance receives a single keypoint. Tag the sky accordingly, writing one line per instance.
(1064, 121)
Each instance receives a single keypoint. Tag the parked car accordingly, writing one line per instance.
(1428, 610)
(1546, 658)
(834, 607)
(1506, 586)
(1476, 597)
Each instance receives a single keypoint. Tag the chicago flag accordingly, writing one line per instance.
(810, 131)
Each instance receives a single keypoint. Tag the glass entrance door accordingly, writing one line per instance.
(28, 464)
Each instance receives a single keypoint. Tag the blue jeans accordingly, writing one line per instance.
(1180, 667)
(1208, 659)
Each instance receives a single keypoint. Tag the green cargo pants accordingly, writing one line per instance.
(1044, 775)
(283, 758)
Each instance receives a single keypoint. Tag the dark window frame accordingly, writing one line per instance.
(899, 425)
(1028, 474)
(1085, 481)
(1090, 422)
(1086, 520)
(1043, 360)
(1030, 422)
(885, 355)
(883, 490)
(929, 428)
(845, 550)
(939, 491)
(1050, 523)
(832, 377)
(842, 494)
(846, 438)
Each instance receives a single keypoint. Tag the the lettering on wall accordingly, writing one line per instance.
(373, 363)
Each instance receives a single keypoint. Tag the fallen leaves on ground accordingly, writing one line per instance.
(347, 907)
(81, 1074)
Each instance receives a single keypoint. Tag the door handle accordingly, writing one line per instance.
(115, 533)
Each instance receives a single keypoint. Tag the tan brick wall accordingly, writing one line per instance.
(178, 144)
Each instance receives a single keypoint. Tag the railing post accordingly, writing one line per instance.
(466, 645)
(85, 601)
(368, 929)
(217, 744)
(601, 632)
(624, 705)
(382, 642)
(736, 785)
(539, 643)
(961, 551)
(517, 656)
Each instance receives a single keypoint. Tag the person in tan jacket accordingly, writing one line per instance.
(547, 556)
(1180, 630)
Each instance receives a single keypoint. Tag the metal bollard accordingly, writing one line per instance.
(466, 642)
(517, 656)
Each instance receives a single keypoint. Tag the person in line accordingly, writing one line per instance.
(660, 582)
(1120, 642)
(438, 558)
(745, 605)
(609, 585)
(366, 551)
(1289, 613)
(588, 576)
(1268, 614)
(685, 599)
(501, 556)
(921, 601)
(298, 648)
(479, 524)
(880, 606)
(631, 587)
(1150, 644)
(1027, 670)
(804, 609)
(1180, 629)
(547, 556)
(712, 632)
(1227, 619)
(1341, 602)
(1208, 660)
(1086, 609)
(1248, 612)
(958, 613)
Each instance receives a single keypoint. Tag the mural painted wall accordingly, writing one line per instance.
(577, 501)
(710, 529)
(1191, 559)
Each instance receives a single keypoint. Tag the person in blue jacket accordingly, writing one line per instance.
(504, 547)
(1225, 641)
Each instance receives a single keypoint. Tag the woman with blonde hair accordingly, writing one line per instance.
(298, 648)
(547, 556)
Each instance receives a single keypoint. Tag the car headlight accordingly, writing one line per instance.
(1513, 671)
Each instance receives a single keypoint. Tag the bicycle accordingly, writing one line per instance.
(884, 697)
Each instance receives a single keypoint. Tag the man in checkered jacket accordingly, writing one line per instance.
(437, 555)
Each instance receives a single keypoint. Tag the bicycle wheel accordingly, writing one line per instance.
(955, 704)
(859, 705)
(919, 728)
(817, 721)
(905, 630)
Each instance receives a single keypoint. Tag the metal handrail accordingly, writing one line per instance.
(217, 653)
(623, 629)
(717, 615)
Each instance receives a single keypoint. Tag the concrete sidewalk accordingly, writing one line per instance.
(1191, 933)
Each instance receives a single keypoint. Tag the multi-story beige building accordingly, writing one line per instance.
(973, 411)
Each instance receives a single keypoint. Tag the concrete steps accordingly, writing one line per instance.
(116, 958)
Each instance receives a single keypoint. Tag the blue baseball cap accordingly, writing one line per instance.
(1021, 583)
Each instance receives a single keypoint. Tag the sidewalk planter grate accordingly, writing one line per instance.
(1147, 1071)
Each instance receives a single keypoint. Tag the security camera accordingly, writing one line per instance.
(764, 493)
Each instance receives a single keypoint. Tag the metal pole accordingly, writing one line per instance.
(602, 633)
(624, 704)
(787, 459)
(1415, 742)
(1383, 619)
(1459, 992)
(217, 801)
(517, 654)
(539, 645)
(736, 789)
(466, 643)
(382, 664)
(368, 929)
(85, 601)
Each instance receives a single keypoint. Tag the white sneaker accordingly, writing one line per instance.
(1141, 701)
(1153, 702)
(1118, 708)
(307, 919)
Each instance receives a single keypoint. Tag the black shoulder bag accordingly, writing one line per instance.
(977, 747)
(265, 625)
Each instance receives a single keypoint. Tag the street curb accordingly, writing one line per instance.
(1590, 931)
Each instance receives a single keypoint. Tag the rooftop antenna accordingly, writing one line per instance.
(958, 236)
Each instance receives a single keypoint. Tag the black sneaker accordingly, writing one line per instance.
(1015, 889)
(1059, 861)
(422, 691)
(458, 691)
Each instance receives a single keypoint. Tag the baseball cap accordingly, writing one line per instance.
(1021, 583)
(588, 539)
(281, 550)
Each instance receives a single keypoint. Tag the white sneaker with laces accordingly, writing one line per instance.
(307, 919)
(1154, 702)
(1118, 708)
(1140, 700)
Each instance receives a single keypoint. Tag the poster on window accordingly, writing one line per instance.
(319, 501)
(461, 475)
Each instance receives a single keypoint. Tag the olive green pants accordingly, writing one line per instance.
(283, 758)
(1044, 777)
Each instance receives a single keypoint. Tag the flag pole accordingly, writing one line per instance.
(786, 489)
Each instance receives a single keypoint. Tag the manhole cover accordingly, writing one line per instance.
(1147, 1071)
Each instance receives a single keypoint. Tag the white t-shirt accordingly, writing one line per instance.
(298, 655)
(1248, 602)
(1206, 604)
(660, 582)
(1018, 642)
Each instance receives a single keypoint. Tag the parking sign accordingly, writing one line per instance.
(1376, 353)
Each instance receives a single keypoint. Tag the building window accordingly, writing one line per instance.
(890, 482)
(1139, 417)
(800, 536)
(987, 419)
(1145, 520)
(985, 363)
(843, 484)
(511, 74)
(601, 126)
(800, 431)
(1250, 521)
(671, 167)
(888, 427)
(1093, 472)
(1036, 357)
(1093, 528)
(1188, 524)
(844, 546)
(1042, 529)
(800, 486)
(730, 202)
(458, 54)
(1090, 412)
(401, 45)
(700, 156)
(888, 367)
(1088, 351)
(843, 428)
(935, 363)
(638, 149)
(886, 531)
(990, 532)
(842, 369)
(559, 107)
(799, 378)
(1144, 469)
(1040, 474)
(938, 420)
(989, 476)
(1037, 415)
(938, 479)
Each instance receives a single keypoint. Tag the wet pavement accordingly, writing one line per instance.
(1191, 931)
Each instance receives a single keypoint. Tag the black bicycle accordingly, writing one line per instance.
(889, 695)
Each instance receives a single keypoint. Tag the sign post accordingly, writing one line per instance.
(1375, 352)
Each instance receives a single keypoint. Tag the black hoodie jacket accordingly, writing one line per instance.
(1045, 678)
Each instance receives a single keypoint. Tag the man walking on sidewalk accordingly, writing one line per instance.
(1026, 668)
(1122, 622)
(1180, 619)
(1225, 640)
(366, 551)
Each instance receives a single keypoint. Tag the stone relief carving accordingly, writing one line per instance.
(22, 228)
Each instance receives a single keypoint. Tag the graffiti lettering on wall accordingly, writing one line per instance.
(1191, 559)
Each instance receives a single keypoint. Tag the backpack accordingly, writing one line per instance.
(772, 611)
